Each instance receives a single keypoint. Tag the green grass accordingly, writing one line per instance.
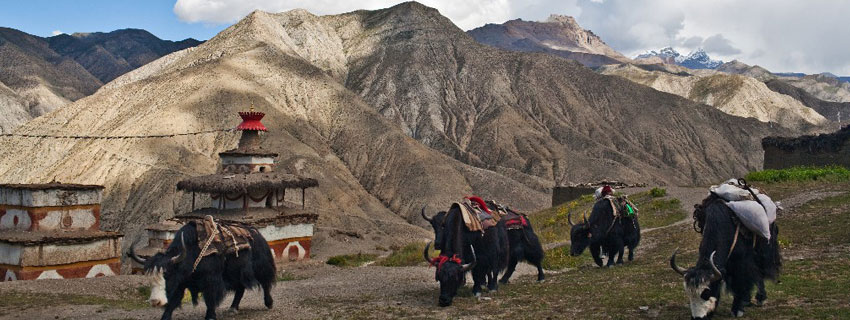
(828, 173)
(351, 260)
(551, 224)
(658, 192)
(409, 255)
(288, 276)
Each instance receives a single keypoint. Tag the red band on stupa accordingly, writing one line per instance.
(251, 121)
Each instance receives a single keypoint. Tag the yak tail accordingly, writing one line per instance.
(504, 246)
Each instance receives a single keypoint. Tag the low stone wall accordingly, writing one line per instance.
(822, 150)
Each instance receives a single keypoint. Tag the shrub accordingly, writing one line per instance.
(409, 255)
(828, 173)
(351, 260)
(658, 192)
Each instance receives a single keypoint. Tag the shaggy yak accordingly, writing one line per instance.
(215, 274)
(600, 232)
(461, 250)
(522, 241)
(728, 253)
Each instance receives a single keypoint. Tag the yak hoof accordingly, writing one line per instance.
(504, 281)
(233, 311)
(541, 280)
(738, 314)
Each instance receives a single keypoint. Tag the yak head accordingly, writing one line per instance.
(450, 273)
(698, 283)
(579, 236)
(436, 222)
(163, 270)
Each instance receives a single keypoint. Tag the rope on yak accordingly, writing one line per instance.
(30, 135)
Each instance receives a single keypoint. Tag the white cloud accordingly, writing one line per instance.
(57, 32)
(781, 35)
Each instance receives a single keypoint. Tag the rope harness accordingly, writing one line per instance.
(216, 230)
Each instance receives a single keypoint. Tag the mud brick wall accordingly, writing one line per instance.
(562, 195)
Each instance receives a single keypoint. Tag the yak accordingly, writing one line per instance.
(728, 253)
(601, 233)
(631, 235)
(174, 271)
(522, 242)
(461, 250)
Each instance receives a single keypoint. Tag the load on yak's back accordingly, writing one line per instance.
(740, 258)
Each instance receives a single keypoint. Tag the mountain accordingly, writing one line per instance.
(823, 86)
(12, 109)
(558, 35)
(109, 55)
(697, 59)
(48, 73)
(389, 110)
(734, 94)
(829, 109)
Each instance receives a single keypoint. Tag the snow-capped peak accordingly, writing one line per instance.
(697, 59)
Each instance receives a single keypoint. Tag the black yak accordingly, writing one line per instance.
(731, 253)
(523, 243)
(174, 272)
(458, 246)
(602, 232)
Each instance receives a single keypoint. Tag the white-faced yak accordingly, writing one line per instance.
(484, 253)
(728, 253)
(175, 271)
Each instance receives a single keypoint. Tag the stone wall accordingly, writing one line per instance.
(562, 195)
(822, 150)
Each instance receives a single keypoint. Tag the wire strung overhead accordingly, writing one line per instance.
(32, 135)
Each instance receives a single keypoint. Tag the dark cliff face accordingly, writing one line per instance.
(540, 118)
(109, 55)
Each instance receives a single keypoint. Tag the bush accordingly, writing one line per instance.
(828, 173)
(409, 255)
(351, 260)
(658, 192)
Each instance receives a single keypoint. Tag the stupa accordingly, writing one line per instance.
(52, 231)
(249, 189)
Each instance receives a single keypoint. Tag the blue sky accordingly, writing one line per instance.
(42, 17)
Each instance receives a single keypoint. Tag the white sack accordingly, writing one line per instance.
(731, 193)
(752, 215)
(769, 207)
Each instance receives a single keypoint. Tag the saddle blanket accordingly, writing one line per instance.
(226, 238)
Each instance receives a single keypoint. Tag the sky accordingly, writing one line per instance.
(809, 36)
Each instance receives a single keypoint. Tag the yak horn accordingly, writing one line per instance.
(132, 254)
(425, 252)
(469, 266)
(182, 255)
(570, 220)
(673, 264)
(717, 274)
(423, 214)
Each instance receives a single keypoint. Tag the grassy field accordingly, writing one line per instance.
(815, 282)
(799, 174)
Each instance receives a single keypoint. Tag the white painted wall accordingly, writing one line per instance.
(272, 233)
(7, 220)
(69, 253)
(48, 198)
(10, 253)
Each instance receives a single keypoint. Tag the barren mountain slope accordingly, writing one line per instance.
(367, 168)
(558, 35)
(12, 110)
(734, 94)
(821, 86)
(533, 115)
(829, 109)
(42, 78)
(109, 55)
